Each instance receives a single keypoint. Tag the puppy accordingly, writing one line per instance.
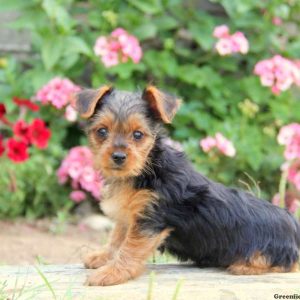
(158, 200)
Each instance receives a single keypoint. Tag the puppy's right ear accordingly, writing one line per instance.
(85, 102)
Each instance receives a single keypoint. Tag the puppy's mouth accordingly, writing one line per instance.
(117, 168)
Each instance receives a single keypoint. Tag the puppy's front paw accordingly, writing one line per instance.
(112, 274)
(96, 260)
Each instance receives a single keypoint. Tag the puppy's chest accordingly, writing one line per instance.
(121, 202)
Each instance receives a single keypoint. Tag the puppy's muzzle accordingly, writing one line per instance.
(119, 158)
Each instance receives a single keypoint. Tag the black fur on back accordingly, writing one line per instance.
(211, 224)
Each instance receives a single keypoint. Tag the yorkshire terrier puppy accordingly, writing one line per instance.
(158, 200)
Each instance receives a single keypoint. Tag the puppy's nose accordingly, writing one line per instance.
(118, 157)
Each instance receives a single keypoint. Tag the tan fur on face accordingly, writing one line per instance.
(258, 264)
(137, 151)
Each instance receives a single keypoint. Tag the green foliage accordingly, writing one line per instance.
(220, 93)
(31, 188)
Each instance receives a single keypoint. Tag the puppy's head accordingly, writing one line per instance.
(122, 126)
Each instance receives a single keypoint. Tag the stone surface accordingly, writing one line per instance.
(67, 282)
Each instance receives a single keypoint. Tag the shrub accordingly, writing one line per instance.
(235, 94)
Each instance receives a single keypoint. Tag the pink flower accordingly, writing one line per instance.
(101, 46)
(278, 72)
(290, 202)
(75, 170)
(58, 92)
(224, 46)
(118, 48)
(130, 47)
(225, 146)
(276, 199)
(78, 167)
(118, 32)
(239, 43)
(71, 114)
(208, 143)
(294, 174)
(229, 44)
(111, 59)
(289, 136)
(220, 143)
(77, 196)
(221, 31)
(287, 133)
(277, 21)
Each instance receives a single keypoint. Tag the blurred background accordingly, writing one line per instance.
(235, 64)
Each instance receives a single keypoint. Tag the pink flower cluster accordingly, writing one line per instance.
(117, 48)
(220, 143)
(290, 201)
(289, 136)
(294, 174)
(77, 166)
(58, 92)
(277, 21)
(278, 72)
(230, 43)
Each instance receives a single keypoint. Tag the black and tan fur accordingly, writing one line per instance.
(159, 201)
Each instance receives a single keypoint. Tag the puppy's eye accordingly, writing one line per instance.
(137, 135)
(102, 132)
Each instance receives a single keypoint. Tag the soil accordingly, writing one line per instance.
(23, 242)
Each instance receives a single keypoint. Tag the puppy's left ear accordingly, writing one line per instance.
(85, 101)
(162, 104)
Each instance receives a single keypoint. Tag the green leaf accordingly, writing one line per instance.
(191, 74)
(169, 64)
(37, 77)
(294, 48)
(237, 7)
(166, 22)
(146, 31)
(58, 13)
(199, 76)
(29, 19)
(16, 4)
(147, 7)
(74, 44)
(255, 90)
(125, 70)
(52, 50)
(69, 60)
(202, 33)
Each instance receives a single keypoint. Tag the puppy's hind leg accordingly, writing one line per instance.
(256, 265)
